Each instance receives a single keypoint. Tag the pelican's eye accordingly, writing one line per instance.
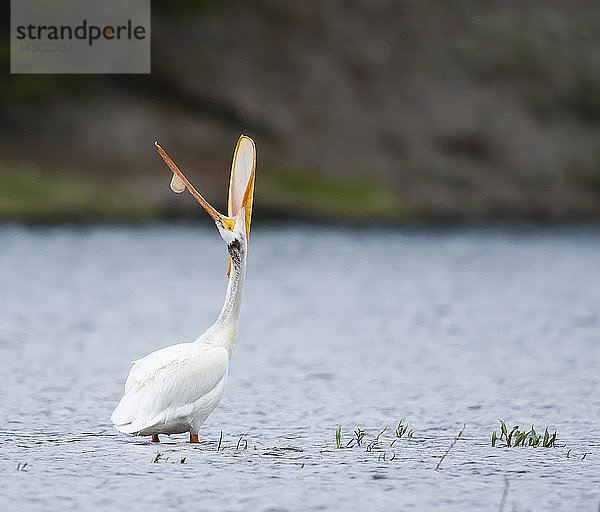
(228, 223)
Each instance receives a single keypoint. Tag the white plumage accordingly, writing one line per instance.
(174, 389)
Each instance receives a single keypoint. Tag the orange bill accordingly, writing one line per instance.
(179, 183)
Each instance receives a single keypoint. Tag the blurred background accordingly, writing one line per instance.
(363, 111)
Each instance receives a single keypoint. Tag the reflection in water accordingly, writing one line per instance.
(338, 327)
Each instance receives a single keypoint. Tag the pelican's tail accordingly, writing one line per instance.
(122, 417)
(127, 428)
(126, 418)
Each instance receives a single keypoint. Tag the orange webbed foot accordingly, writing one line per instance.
(155, 438)
(194, 438)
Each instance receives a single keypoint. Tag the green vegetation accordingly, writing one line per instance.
(161, 457)
(523, 438)
(402, 429)
(316, 194)
(381, 433)
(28, 194)
(359, 434)
(158, 457)
(356, 439)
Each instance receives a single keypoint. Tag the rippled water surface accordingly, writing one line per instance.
(338, 327)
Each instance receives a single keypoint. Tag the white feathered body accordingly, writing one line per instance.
(174, 389)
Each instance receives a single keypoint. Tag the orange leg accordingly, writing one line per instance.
(194, 438)
(155, 438)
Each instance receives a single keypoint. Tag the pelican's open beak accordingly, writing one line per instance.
(241, 185)
(241, 182)
(179, 183)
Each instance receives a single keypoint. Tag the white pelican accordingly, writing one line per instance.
(173, 390)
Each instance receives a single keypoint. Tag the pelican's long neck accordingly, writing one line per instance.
(228, 317)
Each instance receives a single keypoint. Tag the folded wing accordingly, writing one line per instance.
(162, 383)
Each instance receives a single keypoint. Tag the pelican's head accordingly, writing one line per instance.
(233, 228)
(236, 225)
(234, 236)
